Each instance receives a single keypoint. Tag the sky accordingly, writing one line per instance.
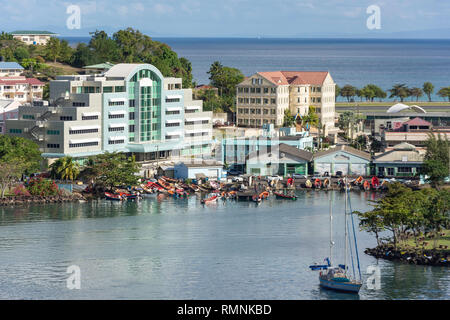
(233, 18)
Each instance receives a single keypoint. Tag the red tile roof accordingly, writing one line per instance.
(418, 122)
(295, 77)
(13, 81)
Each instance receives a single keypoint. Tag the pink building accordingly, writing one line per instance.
(9, 109)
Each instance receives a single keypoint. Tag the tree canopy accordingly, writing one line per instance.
(436, 161)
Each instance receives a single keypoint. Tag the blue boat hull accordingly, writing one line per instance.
(340, 286)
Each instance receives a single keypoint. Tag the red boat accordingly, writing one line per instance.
(210, 200)
(317, 183)
(375, 182)
(113, 196)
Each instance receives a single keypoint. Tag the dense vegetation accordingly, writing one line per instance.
(225, 79)
(124, 46)
(399, 91)
(18, 156)
(403, 211)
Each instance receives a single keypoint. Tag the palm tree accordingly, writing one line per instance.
(416, 92)
(399, 90)
(444, 93)
(65, 169)
(428, 89)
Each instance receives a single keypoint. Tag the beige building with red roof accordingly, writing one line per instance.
(21, 89)
(263, 97)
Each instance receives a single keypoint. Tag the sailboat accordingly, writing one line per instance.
(338, 277)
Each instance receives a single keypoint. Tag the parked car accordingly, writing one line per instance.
(234, 172)
(237, 179)
(298, 176)
(274, 177)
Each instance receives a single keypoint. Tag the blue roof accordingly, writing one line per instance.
(10, 65)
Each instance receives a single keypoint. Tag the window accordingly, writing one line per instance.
(85, 144)
(89, 117)
(405, 169)
(65, 118)
(116, 129)
(53, 145)
(116, 103)
(175, 124)
(132, 103)
(116, 116)
(15, 130)
(173, 100)
(131, 128)
(78, 104)
(131, 116)
(53, 132)
(28, 116)
(172, 112)
(107, 89)
(116, 141)
(83, 131)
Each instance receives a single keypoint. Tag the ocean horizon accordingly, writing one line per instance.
(355, 61)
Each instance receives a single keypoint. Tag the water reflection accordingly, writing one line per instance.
(166, 248)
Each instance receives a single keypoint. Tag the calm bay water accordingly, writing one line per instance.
(179, 249)
(383, 62)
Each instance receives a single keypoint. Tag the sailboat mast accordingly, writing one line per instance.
(331, 230)
(346, 231)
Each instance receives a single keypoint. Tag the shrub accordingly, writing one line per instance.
(42, 187)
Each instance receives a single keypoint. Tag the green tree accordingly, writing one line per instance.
(112, 169)
(337, 91)
(53, 49)
(436, 161)
(6, 36)
(444, 93)
(65, 169)
(428, 89)
(348, 92)
(416, 92)
(17, 156)
(311, 119)
(289, 119)
(399, 90)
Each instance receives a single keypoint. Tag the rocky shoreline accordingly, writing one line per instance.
(431, 257)
(26, 200)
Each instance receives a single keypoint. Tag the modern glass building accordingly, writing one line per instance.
(130, 108)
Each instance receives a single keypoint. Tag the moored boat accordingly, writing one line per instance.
(210, 200)
(285, 196)
(113, 196)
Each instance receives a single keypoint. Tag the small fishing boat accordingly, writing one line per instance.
(264, 195)
(317, 183)
(366, 185)
(308, 184)
(113, 196)
(170, 180)
(285, 196)
(326, 183)
(375, 183)
(338, 278)
(164, 184)
(256, 198)
(210, 200)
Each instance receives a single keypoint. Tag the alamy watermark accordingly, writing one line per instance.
(373, 282)
(74, 280)
(374, 20)
(74, 19)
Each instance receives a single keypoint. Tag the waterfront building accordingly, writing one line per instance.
(9, 109)
(263, 97)
(198, 170)
(235, 150)
(21, 89)
(33, 37)
(344, 158)
(130, 108)
(282, 160)
(10, 69)
(404, 160)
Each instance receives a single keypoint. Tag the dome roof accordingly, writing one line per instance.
(400, 107)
